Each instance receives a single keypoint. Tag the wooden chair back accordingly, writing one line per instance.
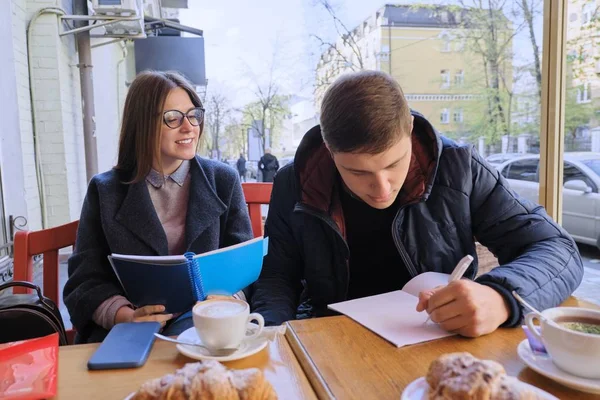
(46, 242)
(257, 194)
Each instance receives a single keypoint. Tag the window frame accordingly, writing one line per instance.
(460, 113)
(445, 78)
(459, 77)
(445, 116)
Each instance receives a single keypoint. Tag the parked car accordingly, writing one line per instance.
(581, 196)
(501, 158)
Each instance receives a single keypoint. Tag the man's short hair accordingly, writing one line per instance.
(364, 112)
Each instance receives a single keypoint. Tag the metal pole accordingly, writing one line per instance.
(87, 92)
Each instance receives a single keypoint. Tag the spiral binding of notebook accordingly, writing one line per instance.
(195, 278)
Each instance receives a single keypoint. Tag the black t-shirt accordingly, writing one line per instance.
(375, 263)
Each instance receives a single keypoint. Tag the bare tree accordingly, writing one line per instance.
(531, 9)
(345, 54)
(489, 35)
(235, 137)
(266, 113)
(217, 112)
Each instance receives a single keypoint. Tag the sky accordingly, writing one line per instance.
(246, 41)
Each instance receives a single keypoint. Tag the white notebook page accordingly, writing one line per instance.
(393, 315)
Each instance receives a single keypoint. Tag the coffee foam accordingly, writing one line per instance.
(219, 309)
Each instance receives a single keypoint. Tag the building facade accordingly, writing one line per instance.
(428, 50)
(583, 56)
(42, 156)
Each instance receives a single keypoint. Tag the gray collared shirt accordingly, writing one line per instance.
(170, 195)
(157, 180)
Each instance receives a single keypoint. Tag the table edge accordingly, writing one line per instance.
(315, 378)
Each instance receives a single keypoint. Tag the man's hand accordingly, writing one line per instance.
(143, 314)
(465, 307)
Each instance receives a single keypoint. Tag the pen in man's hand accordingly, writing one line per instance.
(458, 273)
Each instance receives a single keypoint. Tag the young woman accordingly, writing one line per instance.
(160, 199)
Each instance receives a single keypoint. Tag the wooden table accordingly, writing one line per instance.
(75, 382)
(344, 360)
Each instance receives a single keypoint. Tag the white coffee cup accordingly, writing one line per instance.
(221, 324)
(572, 351)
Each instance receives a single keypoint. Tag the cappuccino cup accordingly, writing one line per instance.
(221, 324)
(566, 334)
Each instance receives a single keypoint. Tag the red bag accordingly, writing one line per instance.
(29, 368)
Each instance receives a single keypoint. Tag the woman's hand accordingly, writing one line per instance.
(143, 314)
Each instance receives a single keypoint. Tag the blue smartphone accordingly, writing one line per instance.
(127, 345)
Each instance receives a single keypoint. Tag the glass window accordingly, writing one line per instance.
(446, 41)
(445, 116)
(572, 173)
(523, 170)
(459, 78)
(465, 66)
(587, 13)
(458, 115)
(593, 164)
(584, 93)
(580, 213)
(445, 75)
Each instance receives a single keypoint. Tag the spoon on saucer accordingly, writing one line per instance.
(527, 305)
(217, 353)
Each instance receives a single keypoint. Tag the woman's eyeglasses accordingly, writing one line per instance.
(174, 118)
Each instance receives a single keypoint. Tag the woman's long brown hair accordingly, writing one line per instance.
(139, 142)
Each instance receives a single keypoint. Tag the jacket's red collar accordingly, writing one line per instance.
(319, 178)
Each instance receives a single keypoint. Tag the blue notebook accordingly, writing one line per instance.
(178, 282)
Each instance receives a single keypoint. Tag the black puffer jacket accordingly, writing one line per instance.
(450, 196)
(269, 165)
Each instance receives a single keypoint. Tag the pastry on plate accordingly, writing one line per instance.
(460, 376)
(208, 380)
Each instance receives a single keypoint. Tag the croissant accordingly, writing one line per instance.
(208, 380)
(460, 376)
(251, 384)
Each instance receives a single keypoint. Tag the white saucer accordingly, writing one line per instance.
(419, 388)
(247, 348)
(543, 365)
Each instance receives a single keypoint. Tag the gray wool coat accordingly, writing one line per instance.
(120, 218)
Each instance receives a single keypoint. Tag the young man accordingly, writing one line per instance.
(375, 197)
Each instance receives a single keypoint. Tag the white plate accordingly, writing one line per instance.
(419, 388)
(247, 348)
(543, 365)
